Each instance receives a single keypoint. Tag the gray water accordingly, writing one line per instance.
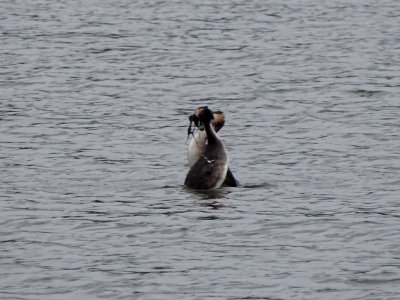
(95, 97)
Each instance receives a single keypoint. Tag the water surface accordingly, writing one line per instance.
(94, 103)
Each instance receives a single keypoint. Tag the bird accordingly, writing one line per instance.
(210, 170)
(198, 143)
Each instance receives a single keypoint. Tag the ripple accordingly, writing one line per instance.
(94, 122)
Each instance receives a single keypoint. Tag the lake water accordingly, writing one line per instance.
(94, 105)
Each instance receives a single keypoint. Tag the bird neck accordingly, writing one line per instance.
(211, 134)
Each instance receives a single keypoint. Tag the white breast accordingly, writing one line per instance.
(224, 171)
(197, 146)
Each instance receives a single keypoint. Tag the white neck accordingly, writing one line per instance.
(197, 146)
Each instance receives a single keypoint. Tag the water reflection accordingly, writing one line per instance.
(94, 119)
(215, 194)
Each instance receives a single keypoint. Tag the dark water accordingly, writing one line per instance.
(94, 99)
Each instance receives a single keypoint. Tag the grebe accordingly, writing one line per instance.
(198, 143)
(209, 172)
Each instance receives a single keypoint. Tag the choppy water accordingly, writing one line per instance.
(94, 103)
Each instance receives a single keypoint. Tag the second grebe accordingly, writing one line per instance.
(198, 143)
(209, 172)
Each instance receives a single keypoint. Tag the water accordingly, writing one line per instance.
(94, 103)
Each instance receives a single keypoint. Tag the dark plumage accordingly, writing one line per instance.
(210, 171)
(198, 144)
